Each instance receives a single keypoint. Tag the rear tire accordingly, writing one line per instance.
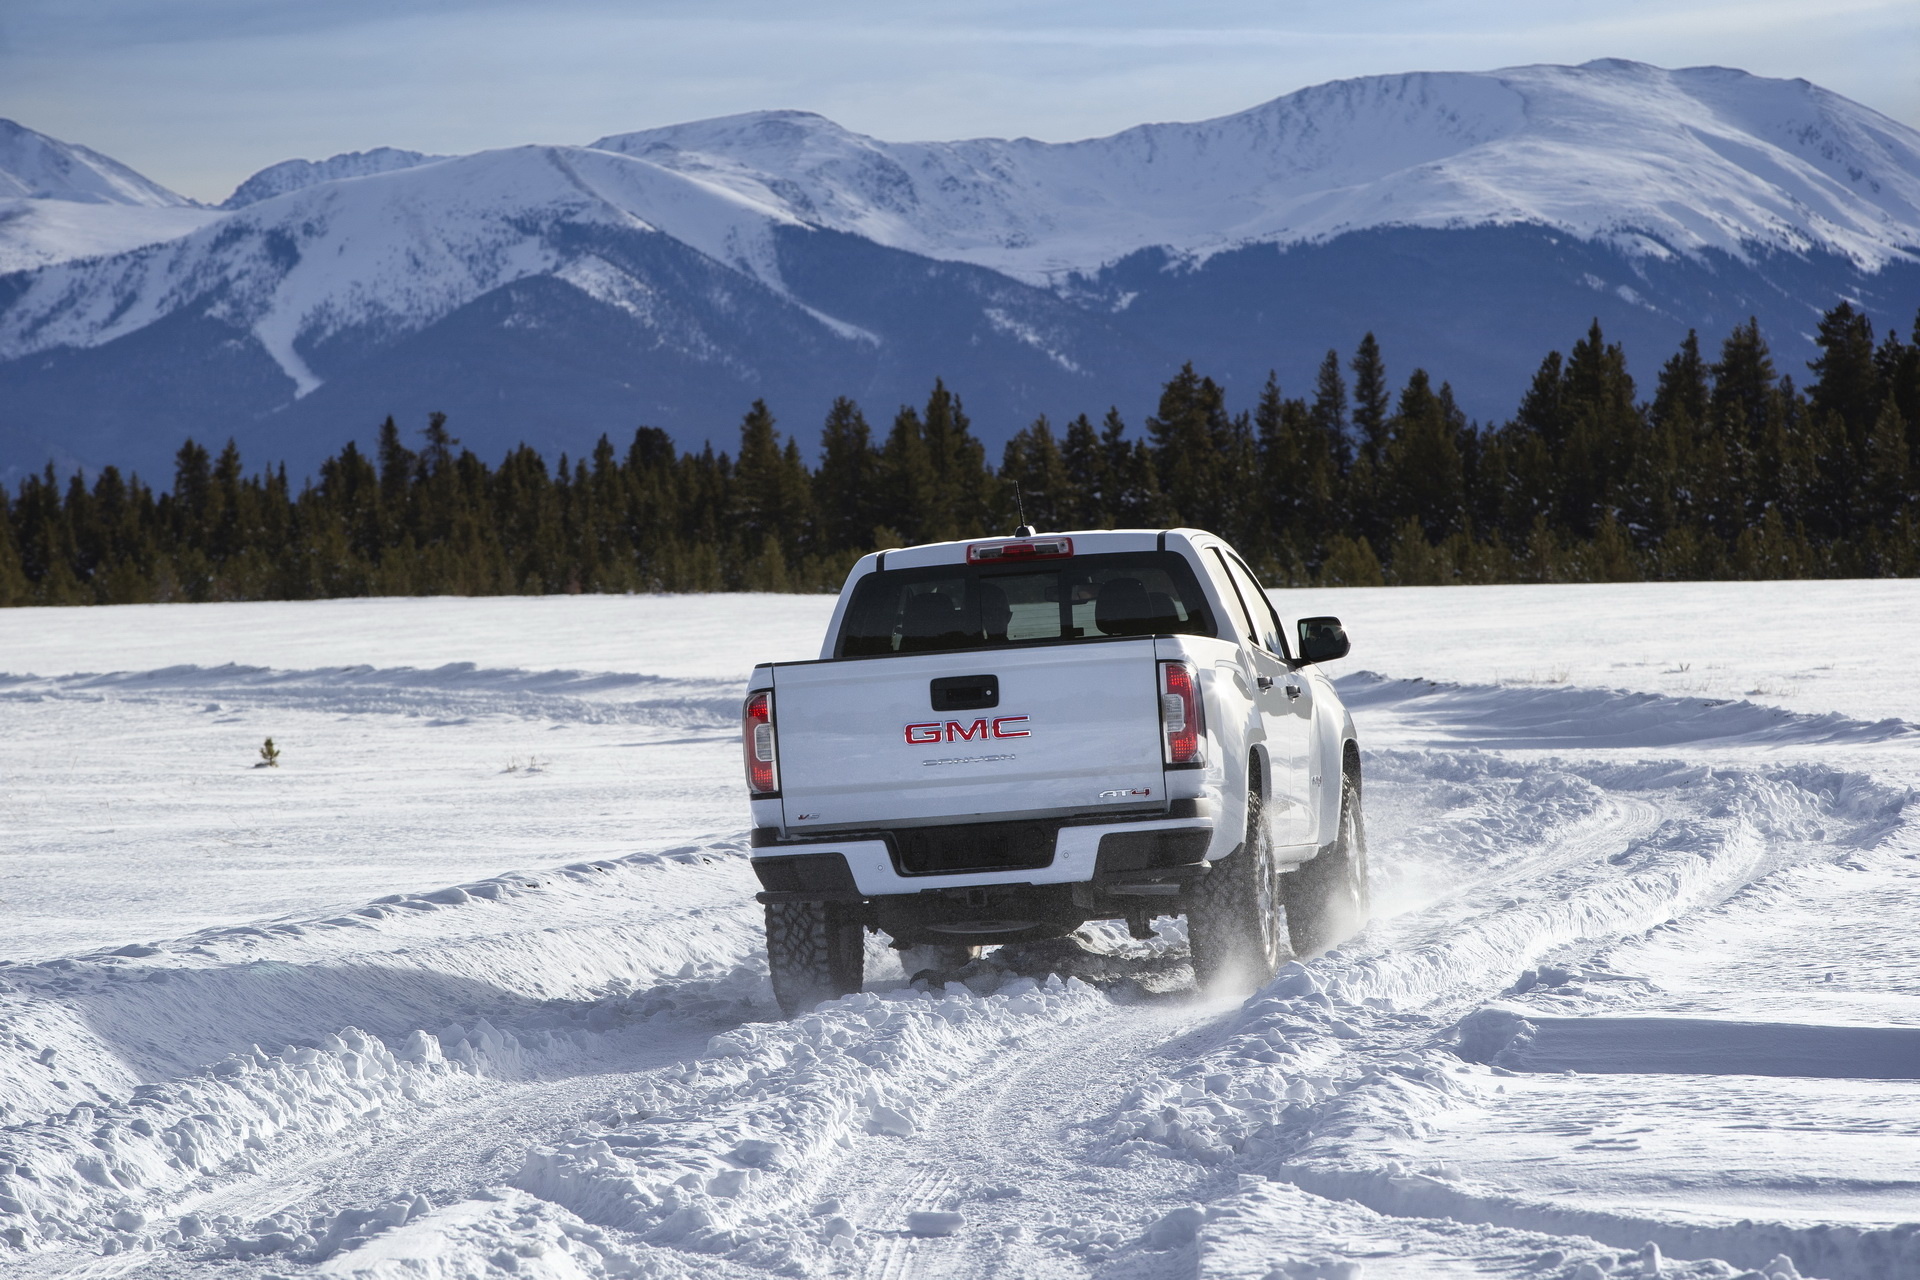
(815, 951)
(1327, 898)
(1236, 918)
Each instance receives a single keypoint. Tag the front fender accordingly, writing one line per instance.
(1238, 738)
(1330, 739)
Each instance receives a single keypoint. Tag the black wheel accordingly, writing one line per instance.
(1327, 898)
(815, 951)
(1236, 920)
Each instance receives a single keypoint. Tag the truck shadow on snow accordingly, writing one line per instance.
(1127, 971)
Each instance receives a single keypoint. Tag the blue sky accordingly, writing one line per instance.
(199, 93)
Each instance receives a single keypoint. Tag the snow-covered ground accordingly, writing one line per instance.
(470, 984)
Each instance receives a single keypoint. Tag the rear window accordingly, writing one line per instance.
(946, 607)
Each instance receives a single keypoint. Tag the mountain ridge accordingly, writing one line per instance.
(1464, 148)
(60, 201)
(35, 166)
(669, 273)
(293, 175)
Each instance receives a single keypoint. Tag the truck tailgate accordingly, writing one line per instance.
(1076, 729)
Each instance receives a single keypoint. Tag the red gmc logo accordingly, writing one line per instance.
(954, 731)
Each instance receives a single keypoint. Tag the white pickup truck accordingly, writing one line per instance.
(1005, 738)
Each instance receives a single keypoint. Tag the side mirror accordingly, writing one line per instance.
(1323, 640)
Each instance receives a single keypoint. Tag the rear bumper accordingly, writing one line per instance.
(1117, 856)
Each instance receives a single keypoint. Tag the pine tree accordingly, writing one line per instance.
(1887, 487)
(396, 484)
(1241, 515)
(1897, 364)
(1299, 471)
(1034, 469)
(1730, 470)
(1351, 563)
(1611, 556)
(796, 499)
(1090, 478)
(1683, 392)
(224, 534)
(1742, 382)
(1789, 482)
(759, 493)
(1330, 410)
(1138, 499)
(14, 587)
(438, 454)
(1422, 477)
(1283, 465)
(1128, 494)
(1194, 449)
(85, 534)
(1370, 399)
(963, 492)
(192, 494)
(1682, 489)
(847, 485)
(1846, 379)
(1604, 435)
(908, 482)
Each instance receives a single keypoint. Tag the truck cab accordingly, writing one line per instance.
(1004, 738)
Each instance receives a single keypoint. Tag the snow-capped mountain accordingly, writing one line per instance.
(291, 175)
(548, 293)
(37, 167)
(59, 200)
(337, 256)
(604, 287)
(1662, 161)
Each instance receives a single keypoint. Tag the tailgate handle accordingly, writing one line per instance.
(965, 693)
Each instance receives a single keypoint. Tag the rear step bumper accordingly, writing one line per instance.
(1150, 855)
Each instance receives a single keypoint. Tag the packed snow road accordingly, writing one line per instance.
(1639, 997)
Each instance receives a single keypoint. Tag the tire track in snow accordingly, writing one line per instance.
(733, 1150)
(437, 1158)
(924, 1188)
(1006, 1149)
(549, 979)
(740, 1142)
(1359, 1043)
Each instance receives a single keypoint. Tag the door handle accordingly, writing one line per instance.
(1293, 692)
(1265, 682)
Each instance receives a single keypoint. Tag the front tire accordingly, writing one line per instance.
(1327, 898)
(815, 951)
(1236, 918)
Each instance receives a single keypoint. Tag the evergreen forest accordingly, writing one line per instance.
(1725, 467)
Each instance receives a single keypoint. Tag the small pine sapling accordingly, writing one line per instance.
(269, 756)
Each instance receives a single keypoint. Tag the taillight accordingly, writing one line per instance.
(756, 742)
(1032, 549)
(1183, 721)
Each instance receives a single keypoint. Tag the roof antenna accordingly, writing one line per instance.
(1025, 530)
